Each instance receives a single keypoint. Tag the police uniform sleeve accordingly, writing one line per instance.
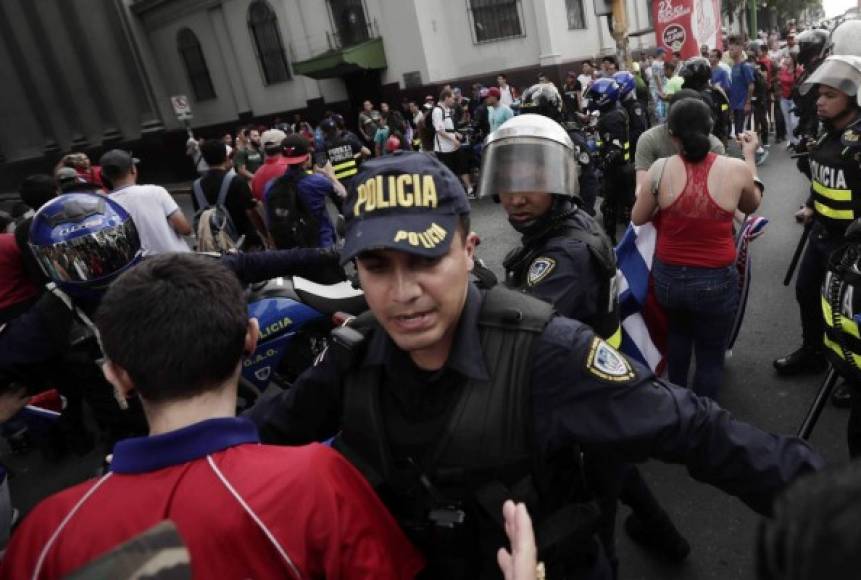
(37, 335)
(360, 537)
(310, 410)
(311, 263)
(565, 277)
(584, 391)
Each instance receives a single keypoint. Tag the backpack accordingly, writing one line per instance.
(213, 225)
(290, 223)
(427, 132)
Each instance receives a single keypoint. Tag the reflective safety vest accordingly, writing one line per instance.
(341, 154)
(841, 309)
(835, 183)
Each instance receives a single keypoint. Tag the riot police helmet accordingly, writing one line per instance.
(846, 38)
(627, 83)
(528, 154)
(841, 72)
(83, 241)
(697, 72)
(542, 99)
(812, 46)
(603, 94)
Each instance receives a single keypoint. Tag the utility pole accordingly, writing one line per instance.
(619, 28)
(754, 29)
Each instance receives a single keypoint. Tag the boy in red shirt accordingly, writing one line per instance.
(174, 330)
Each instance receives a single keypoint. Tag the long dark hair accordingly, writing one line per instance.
(690, 121)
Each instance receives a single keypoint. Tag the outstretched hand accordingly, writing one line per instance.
(521, 562)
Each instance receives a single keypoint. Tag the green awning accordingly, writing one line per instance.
(368, 55)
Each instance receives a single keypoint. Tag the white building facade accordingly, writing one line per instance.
(88, 74)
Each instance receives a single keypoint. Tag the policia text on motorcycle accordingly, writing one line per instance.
(451, 400)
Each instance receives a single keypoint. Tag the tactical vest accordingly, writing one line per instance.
(449, 502)
(625, 145)
(606, 323)
(841, 308)
(636, 121)
(835, 182)
(340, 153)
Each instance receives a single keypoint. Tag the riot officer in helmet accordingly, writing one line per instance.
(812, 47)
(615, 150)
(697, 73)
(834, 201)
(566, 259)
(544, 99)
(637, 121)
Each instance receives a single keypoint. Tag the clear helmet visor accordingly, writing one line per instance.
(837, 74)
(90, 257)
(528, 165)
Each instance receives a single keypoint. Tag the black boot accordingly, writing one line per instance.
(804, 360)
(842, 396)
(659, 536)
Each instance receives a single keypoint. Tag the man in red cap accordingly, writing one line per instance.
(497, 113)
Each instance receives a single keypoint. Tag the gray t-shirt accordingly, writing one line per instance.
(656, 144)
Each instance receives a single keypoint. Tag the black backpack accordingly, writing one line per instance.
(290, 223)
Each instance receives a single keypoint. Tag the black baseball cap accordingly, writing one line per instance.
(295, 149)
(408, 201)
(116, 163)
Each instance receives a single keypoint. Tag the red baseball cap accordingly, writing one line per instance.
(493, 92)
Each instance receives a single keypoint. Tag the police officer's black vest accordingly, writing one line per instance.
(836, 180)
(636, 121)
(606, 323)
(340, 153)
(718, 102)
(841, 304)
(450, 506)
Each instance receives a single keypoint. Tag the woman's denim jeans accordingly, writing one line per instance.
(700, 304)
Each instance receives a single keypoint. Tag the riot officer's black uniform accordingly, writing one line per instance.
(617, 167)
(697, 74)
(835, 198)
(343, 149)
(812, 45)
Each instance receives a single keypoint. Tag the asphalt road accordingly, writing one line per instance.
(720, 528)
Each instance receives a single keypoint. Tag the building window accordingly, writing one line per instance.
(576, 16)
(495, 19)
(195, 65)
(267, 42)
(351, 26)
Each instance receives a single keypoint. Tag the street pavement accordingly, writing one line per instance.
(720, 528)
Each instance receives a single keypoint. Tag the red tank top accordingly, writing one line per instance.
(694, 230)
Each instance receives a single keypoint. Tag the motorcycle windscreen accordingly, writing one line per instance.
(528, 165)
(90, 257)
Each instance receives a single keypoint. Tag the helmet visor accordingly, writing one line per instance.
(836, 74)
(528, 165)
(90, 257)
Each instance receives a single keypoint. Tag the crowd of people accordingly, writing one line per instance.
(399, 451)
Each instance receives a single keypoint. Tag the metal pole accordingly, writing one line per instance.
(754, 29)
(818, 403)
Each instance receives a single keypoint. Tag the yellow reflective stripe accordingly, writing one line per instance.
(344, 165)
(835, 194)
(347, 173)
(616, 340)
(627, 145)
(837, 214)
(839, 351)
(724, 107)
(309, 172)
(848, 325)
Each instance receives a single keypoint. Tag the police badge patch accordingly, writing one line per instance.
(607, 363)
(539, 270)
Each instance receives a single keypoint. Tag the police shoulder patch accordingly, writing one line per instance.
(539, 270)
(606, 363)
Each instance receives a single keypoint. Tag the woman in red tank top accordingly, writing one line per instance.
(693, 200)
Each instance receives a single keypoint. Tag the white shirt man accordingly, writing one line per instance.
(506, 92)
(445, 140)
(157, 217)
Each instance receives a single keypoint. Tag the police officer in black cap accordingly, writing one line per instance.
(343, 150)
(451, 400)
(812, 47)
(566, 259)
(697, 73)
(834, 202)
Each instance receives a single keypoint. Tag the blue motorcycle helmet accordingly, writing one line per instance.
(626, 82)
(604, 93)
(83, 241)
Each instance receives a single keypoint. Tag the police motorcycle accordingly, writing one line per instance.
(295, 316)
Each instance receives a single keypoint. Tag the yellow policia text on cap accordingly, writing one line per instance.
(430, 238)
(405, 191)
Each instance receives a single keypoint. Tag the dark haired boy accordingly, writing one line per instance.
(244, 510)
